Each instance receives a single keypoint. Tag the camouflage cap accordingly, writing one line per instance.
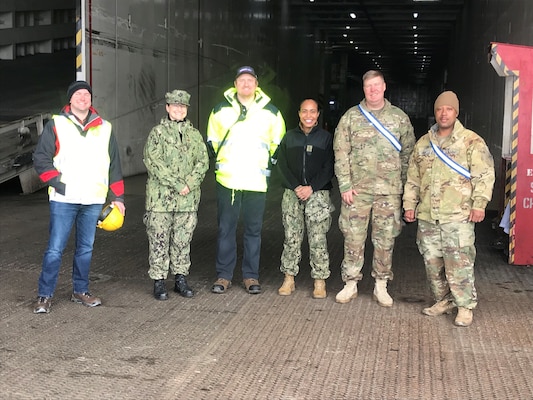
(178, 97)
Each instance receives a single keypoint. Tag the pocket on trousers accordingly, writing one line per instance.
(466, 234)
(317, 210)
(146, 219)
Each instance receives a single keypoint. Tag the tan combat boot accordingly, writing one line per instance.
(320, 289)
(381, 295)
(349, 292)
(287, 287)
(464, 317)
(441, 307)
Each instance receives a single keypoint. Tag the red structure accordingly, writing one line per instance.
(515, 63)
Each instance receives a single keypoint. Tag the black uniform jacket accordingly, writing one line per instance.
(306, 159)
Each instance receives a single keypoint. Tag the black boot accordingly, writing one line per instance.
(160, 292)
(182, 287)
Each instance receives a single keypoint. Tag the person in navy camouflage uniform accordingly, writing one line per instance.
(176, 160)
(305, 164)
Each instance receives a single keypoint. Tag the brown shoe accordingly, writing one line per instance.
(441, 307)
(252, 285)
(220, 286)
(43, 305)
(319, 291)
(86, 299)
(287, 287)
(464, 317)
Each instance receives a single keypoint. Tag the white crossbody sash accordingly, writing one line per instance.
(375, 122)
(449, 162)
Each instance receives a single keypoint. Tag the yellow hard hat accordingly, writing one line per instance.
(110, 218)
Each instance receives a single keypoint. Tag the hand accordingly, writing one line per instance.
(303, 192)
(120, 205)
(476, 215)
(185, 191)
(409, 215)
(347, 197)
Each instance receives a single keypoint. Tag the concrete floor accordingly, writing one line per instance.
(241, 346)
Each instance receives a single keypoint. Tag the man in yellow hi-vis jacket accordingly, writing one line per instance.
(243, 134)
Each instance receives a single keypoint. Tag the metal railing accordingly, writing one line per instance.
(18, 140)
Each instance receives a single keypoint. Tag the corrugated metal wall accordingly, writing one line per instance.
(141, 49)
(480, 89)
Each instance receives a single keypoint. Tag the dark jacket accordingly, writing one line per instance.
(306, 159)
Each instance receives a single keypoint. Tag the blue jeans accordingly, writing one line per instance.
(230, 204)
(62, 218)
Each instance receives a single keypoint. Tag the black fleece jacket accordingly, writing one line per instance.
(306, 159)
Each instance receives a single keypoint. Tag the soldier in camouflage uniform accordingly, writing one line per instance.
(305, 164)
(176, 160)
(371, 166)
(449, 183)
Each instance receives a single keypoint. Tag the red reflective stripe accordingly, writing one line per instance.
(94, 123)
(46, 176)
(117, 188)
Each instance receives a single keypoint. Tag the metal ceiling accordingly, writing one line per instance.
(405, 39)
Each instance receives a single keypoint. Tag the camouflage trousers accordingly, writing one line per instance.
(449, 254)
(384, 212)
(169, 242)
(315, 216)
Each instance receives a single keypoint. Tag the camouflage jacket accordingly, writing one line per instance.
(175, 156)
(435, 190)
(364, 159)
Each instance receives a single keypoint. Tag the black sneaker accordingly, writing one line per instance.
(43, 305)
(160, 292)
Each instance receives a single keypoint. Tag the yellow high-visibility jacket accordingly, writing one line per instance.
(244, 160)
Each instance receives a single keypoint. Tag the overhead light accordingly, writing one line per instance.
(415, 15)
(352, 15)
(414, 26)
(425, 1)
